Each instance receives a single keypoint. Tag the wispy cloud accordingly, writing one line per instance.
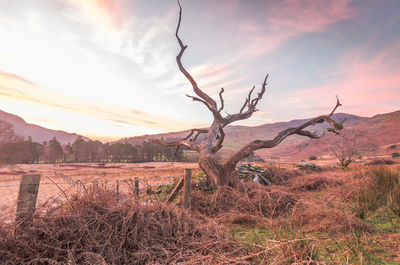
(288, 19)
(18, 88)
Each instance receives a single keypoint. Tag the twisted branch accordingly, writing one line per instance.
(299, 130)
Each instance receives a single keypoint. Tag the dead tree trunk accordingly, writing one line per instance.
(223, 174)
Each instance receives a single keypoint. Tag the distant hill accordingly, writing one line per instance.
(38, 133)
(383, 129)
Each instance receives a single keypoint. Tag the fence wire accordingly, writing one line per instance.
(94, 181)
(9, 192)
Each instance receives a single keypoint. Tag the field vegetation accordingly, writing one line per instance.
(332, 216)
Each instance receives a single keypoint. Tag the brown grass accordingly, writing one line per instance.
(328, 220)
(280, 176)
(248, 198)
(95, 230)
(314, 182)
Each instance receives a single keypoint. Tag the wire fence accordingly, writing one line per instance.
(59, 187)
(94, 181)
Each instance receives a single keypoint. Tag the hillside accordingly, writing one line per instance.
(383, 129)
(38, 133)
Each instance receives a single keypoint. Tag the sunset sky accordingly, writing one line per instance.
(106, 69)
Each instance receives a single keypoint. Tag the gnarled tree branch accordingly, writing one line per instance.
(211, 103)
(299, 130)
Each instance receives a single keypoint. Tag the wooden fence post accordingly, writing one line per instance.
(117, 190)
(137, 187)
(187, 195)
(28, 191)
(175, 191)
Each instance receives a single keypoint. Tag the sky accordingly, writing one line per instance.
(106, 69)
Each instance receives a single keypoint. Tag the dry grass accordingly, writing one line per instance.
(85, 173)
(250, 199)
(95, 230)
(303, 219)
(328, 220)
(315, 182)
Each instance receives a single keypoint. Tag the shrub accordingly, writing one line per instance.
(395, 155)
(312, 158)
(393, 146)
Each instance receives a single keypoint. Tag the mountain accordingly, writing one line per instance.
(383, 130)
(38, 133)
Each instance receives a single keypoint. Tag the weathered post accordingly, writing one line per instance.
(117, 190)
(28, 191)
(137, 187)
(175, 191)
(187, 188)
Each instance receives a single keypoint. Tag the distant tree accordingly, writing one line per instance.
(395, 155)
(55, 151)
(94, 149)
(68, 152)
(79, 149)
(36, 151)
(7, 133)
(392, 146)
(122, 152)
(352, 145)
(21, 152)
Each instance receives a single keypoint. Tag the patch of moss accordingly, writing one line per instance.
(383, 220)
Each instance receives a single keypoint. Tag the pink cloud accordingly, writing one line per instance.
(102, 12)
(310, 16)
(365, 87)
(207, 71)
(292, 18)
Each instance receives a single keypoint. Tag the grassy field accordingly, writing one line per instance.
(331, 216)
(104, 174)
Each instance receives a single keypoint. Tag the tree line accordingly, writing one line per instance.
(81, 151)
(16, 150)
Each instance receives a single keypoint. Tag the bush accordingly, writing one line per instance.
(312, 158)
(395, 155)
(393, 146)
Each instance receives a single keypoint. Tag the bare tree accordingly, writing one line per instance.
(223, 173)
(7, 133)
(352, 145)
